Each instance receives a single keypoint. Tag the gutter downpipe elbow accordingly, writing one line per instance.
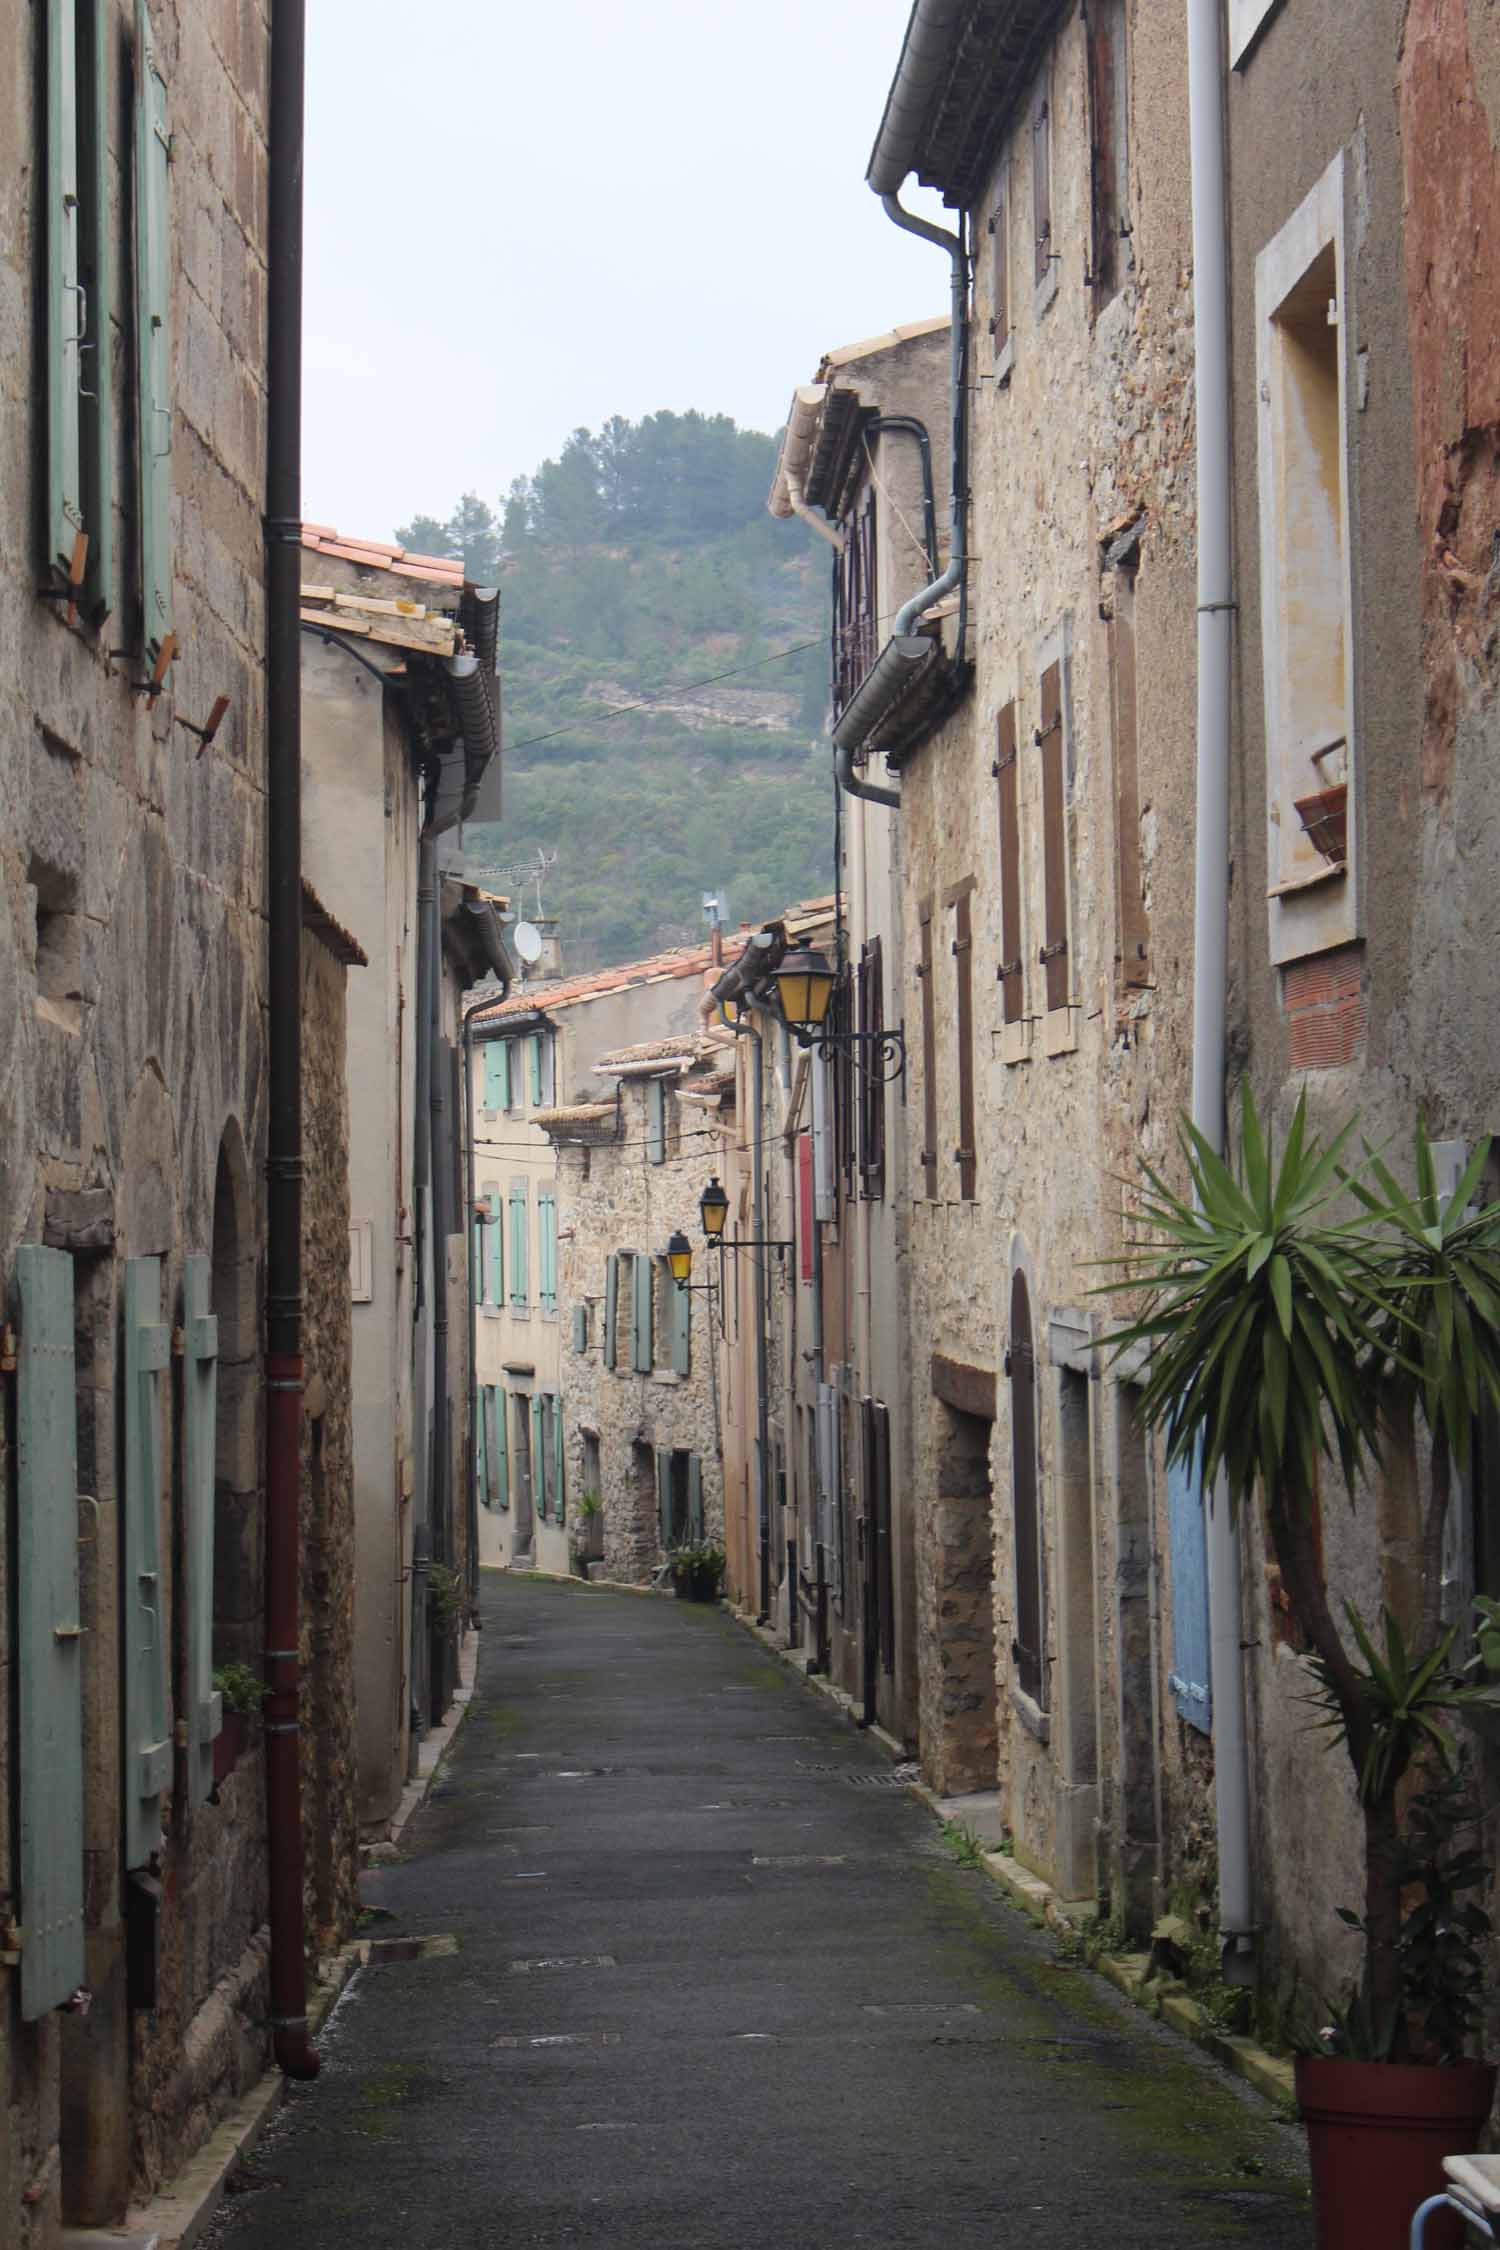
(1211, 381)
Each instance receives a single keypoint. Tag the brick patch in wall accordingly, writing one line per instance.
(1323, 1002)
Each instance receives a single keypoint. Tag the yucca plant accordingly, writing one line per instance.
(1279, 1336)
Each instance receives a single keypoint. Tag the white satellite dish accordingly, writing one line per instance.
(526, 938)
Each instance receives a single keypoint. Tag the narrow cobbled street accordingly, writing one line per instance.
(699, 1971)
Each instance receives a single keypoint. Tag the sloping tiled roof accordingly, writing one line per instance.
(566, 992)
(341, 943)
(373, 554)
(575, 1117)
(688, 1047)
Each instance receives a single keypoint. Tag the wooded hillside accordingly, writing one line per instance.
(636, 567)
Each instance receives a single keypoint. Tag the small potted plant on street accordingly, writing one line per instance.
(697, 1572)
(242, 1692)
(1279, 1335)
(587, 1530)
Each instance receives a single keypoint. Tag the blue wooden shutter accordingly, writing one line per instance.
(561, 1460)
(538, 1456)
(549, 1069)
(148, 1747)
(580, 1328)
(547, 1247)
(640, 1340)
(481, 1468)
(695, 1498)
(495, 1254)
(476, 1255)
(96, 273)
(520, 1279)
(200, 1397)
(500, 1450)
(656, 1121)
(663, 1498)
(64, 309)
(534, 1067)
(153, 429)
(611, 1309)
(49, 1635)
(494, 1074)
(1189, 1678)
(682, 1329)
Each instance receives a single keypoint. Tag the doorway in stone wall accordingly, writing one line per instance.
(1133, 1818)
(967, 1748)
(522, 1500)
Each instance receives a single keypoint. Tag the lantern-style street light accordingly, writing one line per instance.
(713, 1210)
(804, 986)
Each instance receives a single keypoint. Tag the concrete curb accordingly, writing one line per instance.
(177, 2218)
(1171, 2003)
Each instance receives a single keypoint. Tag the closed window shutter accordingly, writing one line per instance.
(148, 1745)
(1189, 1678)
(682, 1316)
(496, 1250)
(1007, 773)
(534, 1068)
(96, 273)
(560, 1459)
(547, 1248)
(871, 1090)
(807, 1244)
(481, 1465)
(497, 1449)
(1020, 1366)
(153, 344)
(1134, 924)
(64, 309)
(641, 1314)
(885, 1591)
(520, 1276)
(549, 1070)
(656, 1122)
(1041, 187)
(494, 1093)
(695, 1498)
(49, 1635)
(540, 1479)
(999, 280)
(929, 1055)
(963, 976)
(1054, 955)
(663, 1499)
(200, 1392)
(580, 1328)
(824, 1206)
(507, 1072)
(611, 1309)
(476, 1255)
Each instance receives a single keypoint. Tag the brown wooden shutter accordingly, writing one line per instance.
(871, 1089)
(1041, 186)
(963, 967)
(885, 1591)
(1020, 1366)
(1054, 953)
(999, 279)
(1134, 924)
(1007, 772)
(929, 1054)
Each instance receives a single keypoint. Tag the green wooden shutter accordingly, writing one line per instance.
(538, 1456)
(560, 1449)
(663, 1498)
(656, 1121)
(640, 1339)
(507, 1073)
(153, 339)
(49, 1635)
(682, 1329)
(495, 1290)
(65, 306)
(494, 1089)
(580, 1328)
(534, 1066)
(481, 1470)
(499, 1451)
(695, 1498)
(476, 1256)
(520, 1279)
(148, 1748)
(547, 1247)
(611, 1309)
(96, 272)
(200, 1408)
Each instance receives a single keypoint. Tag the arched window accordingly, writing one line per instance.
(239, 1531)
(1020, 1366)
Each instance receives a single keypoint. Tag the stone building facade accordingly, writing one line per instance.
(639, 1363)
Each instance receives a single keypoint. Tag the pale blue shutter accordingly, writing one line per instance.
(656, 1121)
(148, 1748)
(481, 1468)
(534, 1066)
(153, 429)
(1189, 1679)
(682, 1317)
(538, 1455)
(640, 1338)
(580, 1328)
(520, 1278)
(494, 1086)
(49, 1635)
(200, 1393)
(96, 273)
(561, 1458)
(695, 1498)
(547, 1248)
(65, 311)
(476, 1255)
(663, 1499)
(499, 1450)
(495, 1288)
(611, 1309)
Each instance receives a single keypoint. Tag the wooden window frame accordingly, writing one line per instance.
(1053, 742)
(1045, 259)
(925, 972)
(856, 619)
(1132, 918)
(1109, 149)
(1002, 334)
(1010, 971)
(961, 948)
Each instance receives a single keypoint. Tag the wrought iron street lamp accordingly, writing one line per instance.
(805, 984)
(713, 1210)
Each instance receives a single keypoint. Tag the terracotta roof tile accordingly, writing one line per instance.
(377, 554)
(566, 992)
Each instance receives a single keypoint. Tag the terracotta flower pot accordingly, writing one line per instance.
(1377, 2134)
(1325, 817)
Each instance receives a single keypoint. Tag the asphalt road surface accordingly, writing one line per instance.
(699, 1972)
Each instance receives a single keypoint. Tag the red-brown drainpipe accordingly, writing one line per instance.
(294, 2052)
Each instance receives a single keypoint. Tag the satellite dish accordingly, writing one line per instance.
(526, 938)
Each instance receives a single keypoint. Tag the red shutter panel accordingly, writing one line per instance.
(929, 1056)
(807, 1239)
(1041, 187)
(1054, 954)
(963, 968)
(1012, 977)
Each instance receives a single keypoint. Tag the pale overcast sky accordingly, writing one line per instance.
(521, 218)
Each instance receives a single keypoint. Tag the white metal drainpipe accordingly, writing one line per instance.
(1211, 384)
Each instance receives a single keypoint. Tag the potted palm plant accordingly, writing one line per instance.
(1280, 1335)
